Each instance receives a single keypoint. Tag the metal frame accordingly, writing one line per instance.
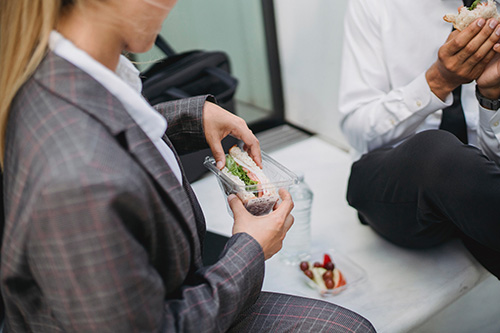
(277, 117)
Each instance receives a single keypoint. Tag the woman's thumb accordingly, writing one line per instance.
(236, 205)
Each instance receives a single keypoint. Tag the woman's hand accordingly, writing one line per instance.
(219, 123)
(268, 230)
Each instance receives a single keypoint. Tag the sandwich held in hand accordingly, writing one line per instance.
(467, 15)
(258, 194)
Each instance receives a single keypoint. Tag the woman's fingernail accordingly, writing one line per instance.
(481, 22)
(493, 24)
(497, 31)
(220, 164)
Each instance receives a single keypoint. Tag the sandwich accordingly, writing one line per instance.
(467, 15)
(255, 190)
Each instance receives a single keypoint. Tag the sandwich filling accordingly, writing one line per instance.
(243, 171)
(468, 15)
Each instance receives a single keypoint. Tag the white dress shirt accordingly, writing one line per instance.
(126, 86)
(384, 96)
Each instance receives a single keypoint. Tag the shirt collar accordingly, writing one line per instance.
(125, 84)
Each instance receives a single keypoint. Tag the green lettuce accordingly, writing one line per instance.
(474, 4)
(238, 171)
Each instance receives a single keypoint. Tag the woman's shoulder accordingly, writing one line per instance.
(50, 136)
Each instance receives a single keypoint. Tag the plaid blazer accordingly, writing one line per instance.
(99, 234)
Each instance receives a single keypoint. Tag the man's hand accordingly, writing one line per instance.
(269, 230)
(219, 123)
(463, 57)
(489, 82)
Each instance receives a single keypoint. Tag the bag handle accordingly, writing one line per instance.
(162, 44)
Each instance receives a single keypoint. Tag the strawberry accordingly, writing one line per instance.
(326, 260)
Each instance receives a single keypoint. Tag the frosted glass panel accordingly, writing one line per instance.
(235, 27)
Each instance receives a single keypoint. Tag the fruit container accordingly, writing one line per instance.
(350, 273)
(278, 175)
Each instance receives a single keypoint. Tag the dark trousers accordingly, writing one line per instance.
(429, 189)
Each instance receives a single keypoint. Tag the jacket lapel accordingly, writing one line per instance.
(88, 95)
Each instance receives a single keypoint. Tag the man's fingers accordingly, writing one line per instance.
(484, 55)
(486, 39)
(487, 59)
(452, 35)
(480, 45)
(457, 40)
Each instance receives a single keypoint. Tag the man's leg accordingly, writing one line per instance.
(286, 313)
(428, 189)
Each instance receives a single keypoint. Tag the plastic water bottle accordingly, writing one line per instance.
(297, 243)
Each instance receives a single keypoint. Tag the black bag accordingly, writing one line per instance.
(191, 74)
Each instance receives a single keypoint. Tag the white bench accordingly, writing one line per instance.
(404, 289)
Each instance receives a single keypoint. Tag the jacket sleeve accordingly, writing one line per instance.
(185, 122)
(95, 275)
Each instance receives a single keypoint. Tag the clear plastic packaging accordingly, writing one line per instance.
(351, 272)
(278, 175)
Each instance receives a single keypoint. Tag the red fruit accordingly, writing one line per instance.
(338, 279)
(328, 275)
(304, 265)
(329, 266)
(326, 259)
(317, 264)
(309, 274)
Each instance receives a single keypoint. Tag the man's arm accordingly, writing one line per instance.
(376, 113)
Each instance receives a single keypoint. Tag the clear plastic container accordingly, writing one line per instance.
(278, 175)
(351, 272)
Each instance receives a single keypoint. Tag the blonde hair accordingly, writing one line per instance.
(25, 26)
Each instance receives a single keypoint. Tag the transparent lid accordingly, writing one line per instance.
(351, 272)
(278, 175)
(258, 200)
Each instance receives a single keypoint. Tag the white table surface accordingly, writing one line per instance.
(402, 288)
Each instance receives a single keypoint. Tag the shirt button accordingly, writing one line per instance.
(419, 103)
(495, 123)
(393, 121)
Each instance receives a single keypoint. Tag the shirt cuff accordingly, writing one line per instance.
(489, 120)
(420, 99)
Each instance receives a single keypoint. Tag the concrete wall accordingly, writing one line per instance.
(310, 40)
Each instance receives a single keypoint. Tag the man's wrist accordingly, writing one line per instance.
(437, 83)
(487, 103)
